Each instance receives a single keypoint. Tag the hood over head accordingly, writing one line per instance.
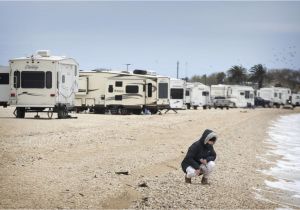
(207, 135)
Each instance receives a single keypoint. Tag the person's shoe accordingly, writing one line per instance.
(204, 180)
(188, 180)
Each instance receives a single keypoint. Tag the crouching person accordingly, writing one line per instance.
(200, 157)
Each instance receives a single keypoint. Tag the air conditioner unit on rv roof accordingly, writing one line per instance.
(43, 53)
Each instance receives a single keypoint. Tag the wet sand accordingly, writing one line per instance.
(71, 163)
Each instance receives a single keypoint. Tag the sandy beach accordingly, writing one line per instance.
(71, 163)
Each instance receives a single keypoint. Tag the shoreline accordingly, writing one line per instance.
(72, 163)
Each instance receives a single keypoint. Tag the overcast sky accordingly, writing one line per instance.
(205, 37)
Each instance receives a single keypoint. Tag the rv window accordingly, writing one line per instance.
(163, 90)
(119, 84)
(33, 79)
(118, 97)
(149, 89)
(176, 93)
(247, 94)
(110, 89)
(48, 79)
(275, 94)
(75, 70)
(4, 79)
(187, 93)
(279, 95)
(63, 79)
(132, 89)
(242, 93)
(205, 93)
(17, 80)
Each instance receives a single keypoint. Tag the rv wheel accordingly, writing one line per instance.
(204, 107)
(153, 111)
(188, 106)
(124, 111)
(62, 112)
(195, 107)
(20, 112)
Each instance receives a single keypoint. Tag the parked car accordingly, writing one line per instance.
(258, 101)
(221, 102)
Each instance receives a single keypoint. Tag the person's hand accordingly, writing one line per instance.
(203, 161)
(197, 172)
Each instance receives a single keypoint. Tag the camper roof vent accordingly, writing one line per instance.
(144, 72)
(43, 53)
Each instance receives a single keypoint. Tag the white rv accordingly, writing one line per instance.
(177, 93)
(197, 94)
(219, 91)
(43, 82)
(122, 92)
(241, 96)
(276, 95)
(296, 99)
(4, 86)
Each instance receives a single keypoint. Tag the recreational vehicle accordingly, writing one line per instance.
(43, 82)
(197, 94)
(122, 92)
(239, 96)
(276, 95)
(219, 96)
(4, 86)
(219, 91)
(296, 99)
(177, 93)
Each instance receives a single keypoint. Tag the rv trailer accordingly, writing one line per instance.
(197, 94)
(276, 95)
(241, 96)
(177, 93)
(120, 92)
(43, 82)
(296, 99)
(4, 86)
(219, 96)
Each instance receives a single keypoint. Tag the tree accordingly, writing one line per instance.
(258, 74)
(237, 75)
(220, 77)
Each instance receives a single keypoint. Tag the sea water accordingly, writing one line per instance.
(284, 136)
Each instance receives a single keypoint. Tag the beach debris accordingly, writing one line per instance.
(145, 201)
(81, 194)
(95, 176)
(143, 184)
(122, 172)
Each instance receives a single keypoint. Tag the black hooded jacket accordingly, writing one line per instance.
(200, 150)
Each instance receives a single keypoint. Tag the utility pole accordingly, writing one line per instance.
(177, 68)
(128, 64)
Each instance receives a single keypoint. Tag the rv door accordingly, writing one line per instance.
(150, 89)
